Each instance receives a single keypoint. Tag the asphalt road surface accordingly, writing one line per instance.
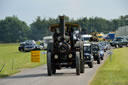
(38, 76)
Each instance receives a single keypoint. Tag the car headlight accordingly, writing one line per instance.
(87, 57)
(56, 56)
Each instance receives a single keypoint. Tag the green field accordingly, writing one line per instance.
(15, 60)
(115, 72)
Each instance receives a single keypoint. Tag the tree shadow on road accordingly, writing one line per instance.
(65, 74)
(40, 75)
(27, 76)
(3, 75)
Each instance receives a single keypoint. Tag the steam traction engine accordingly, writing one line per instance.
(66, 50)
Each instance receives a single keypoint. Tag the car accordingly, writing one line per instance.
(46, 40)
(101, 52)
(24, 44)
(96, 52)
(29, 45)
(107, 46)
(103, 45)
(86, 37)
(88, 56)
(119, 42)
(66, 50)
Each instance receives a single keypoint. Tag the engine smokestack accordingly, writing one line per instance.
(62, 26)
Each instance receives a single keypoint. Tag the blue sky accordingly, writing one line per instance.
(28, 10)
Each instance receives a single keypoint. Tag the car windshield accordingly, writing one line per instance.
(47, 40)
(85, 38)
(127, 39)
(87, 49)
(101, 47)
(118, 39)
(103, 43)
(100, 36)
(30, 42)
(95, 48)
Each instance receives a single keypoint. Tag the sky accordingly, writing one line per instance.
(28, 10)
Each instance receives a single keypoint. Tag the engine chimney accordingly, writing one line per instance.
(62, 26)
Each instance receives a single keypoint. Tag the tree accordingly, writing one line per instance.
(39, 28)
(13, 30)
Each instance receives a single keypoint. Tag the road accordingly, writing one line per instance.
(38, 76)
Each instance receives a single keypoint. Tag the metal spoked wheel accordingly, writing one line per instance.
(77, 63)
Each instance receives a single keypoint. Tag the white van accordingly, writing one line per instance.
(86, 37)
(46, 40)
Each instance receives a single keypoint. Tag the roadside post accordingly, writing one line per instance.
(35, 56)
(2, 65)
(110, 53)
(13, 62)
(110, 57)
(44, 53)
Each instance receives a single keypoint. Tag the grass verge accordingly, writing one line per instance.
(115, 72)
(12, 60)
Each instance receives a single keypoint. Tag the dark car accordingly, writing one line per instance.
(88, 56)
(29, 45)
(96, 52)
(119, 42)
(101, 52)
(105, 45)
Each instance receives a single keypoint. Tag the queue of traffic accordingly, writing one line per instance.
(94, 51)
(69, 48)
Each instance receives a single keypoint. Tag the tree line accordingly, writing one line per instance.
(12, 29)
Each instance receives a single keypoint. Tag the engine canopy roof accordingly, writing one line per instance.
(67, 26)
